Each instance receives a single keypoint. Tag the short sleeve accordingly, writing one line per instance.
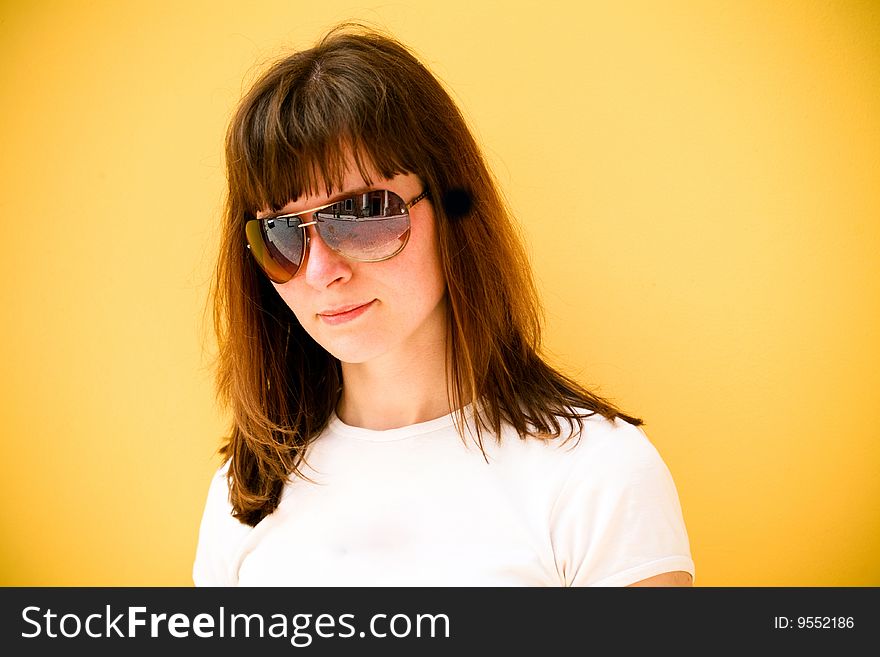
(618, 519)
(220, 535)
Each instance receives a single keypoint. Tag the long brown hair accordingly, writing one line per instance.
(362, 92)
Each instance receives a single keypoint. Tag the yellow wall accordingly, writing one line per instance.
(699, 185)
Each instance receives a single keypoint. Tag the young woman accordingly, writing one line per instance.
(379, 347)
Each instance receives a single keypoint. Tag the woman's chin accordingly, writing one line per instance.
(351, 353)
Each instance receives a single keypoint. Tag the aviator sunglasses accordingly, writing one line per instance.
(368, 226)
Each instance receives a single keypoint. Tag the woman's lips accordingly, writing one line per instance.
(346, 316)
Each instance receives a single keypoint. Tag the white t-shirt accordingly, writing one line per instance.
(417, 506)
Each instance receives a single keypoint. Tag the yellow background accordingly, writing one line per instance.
(699, 183)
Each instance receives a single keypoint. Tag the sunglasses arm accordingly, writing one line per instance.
(417, 199)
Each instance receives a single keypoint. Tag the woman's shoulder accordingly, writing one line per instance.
(615, 450)
(596, 438)
(218, 488)
(219, 534)
(620, 437)
(591, 450)
(596, 456)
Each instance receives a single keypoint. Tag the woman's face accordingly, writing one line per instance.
(401, 301)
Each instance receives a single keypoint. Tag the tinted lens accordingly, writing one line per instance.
(368, 227)
(277, 246)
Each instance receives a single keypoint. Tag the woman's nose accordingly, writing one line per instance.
(323, 266)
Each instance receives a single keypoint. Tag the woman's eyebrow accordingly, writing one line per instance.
(333, 199)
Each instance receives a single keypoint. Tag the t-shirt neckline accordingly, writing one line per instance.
(339, 427)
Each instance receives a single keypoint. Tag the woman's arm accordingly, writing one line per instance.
(675, 578)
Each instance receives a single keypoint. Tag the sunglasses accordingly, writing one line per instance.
(367, 227)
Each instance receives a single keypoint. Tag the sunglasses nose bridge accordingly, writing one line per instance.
(304, 221)
(311, 233)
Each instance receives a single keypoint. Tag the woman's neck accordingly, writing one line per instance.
(396, 390)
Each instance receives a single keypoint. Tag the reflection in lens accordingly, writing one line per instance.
(284, 238)
(368, 227)
(367, 239)
(276, 245)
